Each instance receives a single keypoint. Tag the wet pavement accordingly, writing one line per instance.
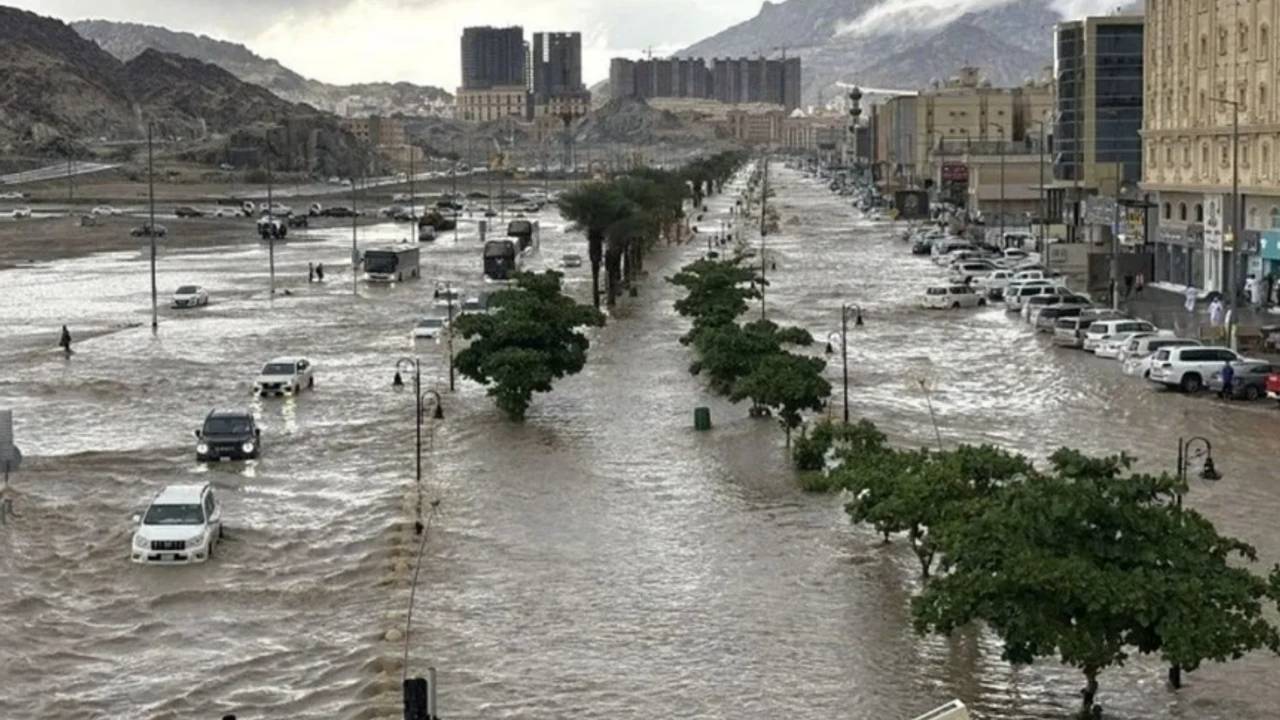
(599, 561)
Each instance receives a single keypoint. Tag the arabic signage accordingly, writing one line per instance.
(1213, 235)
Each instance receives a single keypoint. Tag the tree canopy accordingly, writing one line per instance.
(530, 338)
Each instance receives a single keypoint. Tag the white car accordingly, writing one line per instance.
(1189, 368)
(182, 525)
(1112, 347)
(1104, 330)
(430, 327)
(993, 283)
(1141, 347)
(104, 211)
(951, 296)
(1016, 295)
(190, 296)
(20, 213)
(970, 269)
(283, 377)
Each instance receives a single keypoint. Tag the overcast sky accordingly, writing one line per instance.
(344, 41)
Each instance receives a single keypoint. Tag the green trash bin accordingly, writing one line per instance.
(702, 418)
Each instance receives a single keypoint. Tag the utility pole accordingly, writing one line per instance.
(413, 204)
(271, 224)
(355, 224)
(764, 199)
(1115, 242)
(151, 229)
(1044, 249)
(1237, 208)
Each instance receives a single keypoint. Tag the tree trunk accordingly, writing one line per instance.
(627, 263)
(924, 555)
(1175, 676)
(1088, 694)
(613, 274)
(595, 249)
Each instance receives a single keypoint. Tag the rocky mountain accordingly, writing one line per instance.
(53, 82)
(59, 91)
(128, 40)
(885, 43)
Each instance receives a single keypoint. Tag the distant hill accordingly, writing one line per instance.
(59, 91)
(54, 83)
(884, 43)
(128, 40)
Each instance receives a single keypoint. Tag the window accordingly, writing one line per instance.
(1264, 41)
(1199, 213)
(1182, 211)
(1186, 154)
(1266, 159)
(1204, 47)
(1168, 211)
(1243, 32)
(1262, 97)
(1204, 158)
(1222, 41)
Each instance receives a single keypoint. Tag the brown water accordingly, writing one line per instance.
(599, 561)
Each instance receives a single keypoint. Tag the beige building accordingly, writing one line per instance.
(387, 136)
(917, 137)
(495, 103)
(1204, 59)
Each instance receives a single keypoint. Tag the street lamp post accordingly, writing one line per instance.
(151, 229)
(405, 364)
(845, 312)
(1237, 211)
(448, 295)
(1202, 449)
(1001, 146)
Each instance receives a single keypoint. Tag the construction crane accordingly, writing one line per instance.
(877, 91)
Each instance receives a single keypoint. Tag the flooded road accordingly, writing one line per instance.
(599, 561)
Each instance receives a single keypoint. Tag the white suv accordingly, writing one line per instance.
(1189, 368)
(1103, 331)
(285, 376)
(182, 525)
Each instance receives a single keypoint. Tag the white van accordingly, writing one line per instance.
(1105, 330)
(951, 296)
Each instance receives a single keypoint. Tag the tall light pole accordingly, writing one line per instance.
(151, 229)
(271, 224)
(406, 364)
(1237, 211)
(845, 311)
(448, 293)
(1000, 146)
(764, 199)
(355, 224)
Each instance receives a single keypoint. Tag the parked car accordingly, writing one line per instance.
(187, 211)
(1189, 368)
(1016, 295)
(1034, 305)
(951, 296)
(228, 435)
(1069, 331)
(970, 270)
(430, 327)
(1142, 346)
(1249, 381)
(475, 304)
(284, 377)
(104, 210)
(297, 221)
(182, 525)
(1103, 330)
(1048, 317)
(993, 283)
(145, 230)
(338, 211)
(272, 228)
(1111, 347)
(190, 296)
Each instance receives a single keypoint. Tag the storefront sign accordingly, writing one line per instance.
(955, 172)
(1213, 234)
(1100, 210)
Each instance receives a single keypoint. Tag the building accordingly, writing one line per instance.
(1205, 62)
(493, 103)
(732, 81)
(951, 137)
(386, 135)
(556, 71)
(493, 57)
(1098, 66)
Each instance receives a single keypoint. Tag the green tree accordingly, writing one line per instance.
(788, 384)
(716, 293)
(529, 339)
(730, 351)
(594, 208)
(1089, 563)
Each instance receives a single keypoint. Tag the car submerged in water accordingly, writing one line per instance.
(182, 525)
(228, 435)
(284, 377)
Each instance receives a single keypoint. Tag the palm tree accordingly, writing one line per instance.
(594, 208)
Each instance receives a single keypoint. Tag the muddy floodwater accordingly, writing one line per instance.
(600, 560)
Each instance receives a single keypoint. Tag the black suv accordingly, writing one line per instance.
(228, 435)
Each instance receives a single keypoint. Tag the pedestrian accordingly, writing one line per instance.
(1192, 295)
(1139, 282)
(1215, 311)
(1128, 285)
(311, 272)
(319, 272)
(64, 341)
(1228, 381)
(1246, 291)
(1257, 293)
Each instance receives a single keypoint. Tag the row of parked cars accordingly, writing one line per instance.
(982, 275)
(183, 522)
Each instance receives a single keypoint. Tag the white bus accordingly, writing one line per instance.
(394, 263)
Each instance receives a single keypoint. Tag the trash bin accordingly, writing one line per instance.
(702, 418)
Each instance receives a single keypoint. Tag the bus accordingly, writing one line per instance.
(391, 264)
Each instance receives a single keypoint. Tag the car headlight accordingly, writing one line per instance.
(247, 447)
(196, 541)
(140, 542)
(202, 448)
